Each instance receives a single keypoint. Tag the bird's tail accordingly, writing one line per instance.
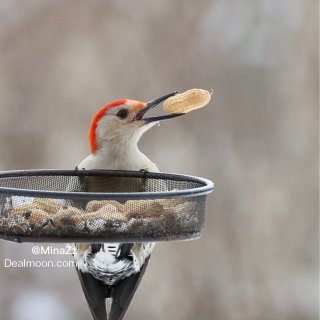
(123, 292)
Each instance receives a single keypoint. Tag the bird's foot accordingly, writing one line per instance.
(144, 171)
(77, 168)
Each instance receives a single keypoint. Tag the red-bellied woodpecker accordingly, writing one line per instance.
(114, 270)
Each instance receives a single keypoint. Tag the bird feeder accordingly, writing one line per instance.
(101, 206)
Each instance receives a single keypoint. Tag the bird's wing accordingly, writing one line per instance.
(123, 292)
(95, 292)
(124, 250)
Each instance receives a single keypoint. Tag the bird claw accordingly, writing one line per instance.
(77, 168)
(144, 171)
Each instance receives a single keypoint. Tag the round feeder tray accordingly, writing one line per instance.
(101, 206)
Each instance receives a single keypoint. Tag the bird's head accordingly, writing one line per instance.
(123, 121)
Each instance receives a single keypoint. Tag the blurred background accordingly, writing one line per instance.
(61, 61)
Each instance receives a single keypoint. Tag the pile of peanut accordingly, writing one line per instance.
(51, 214)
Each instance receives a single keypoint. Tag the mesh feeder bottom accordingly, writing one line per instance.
(101, 206)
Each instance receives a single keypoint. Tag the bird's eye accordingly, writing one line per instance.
(122, 114)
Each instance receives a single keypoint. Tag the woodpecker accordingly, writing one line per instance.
(114, 270)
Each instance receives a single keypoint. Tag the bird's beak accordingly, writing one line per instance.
(151, 104)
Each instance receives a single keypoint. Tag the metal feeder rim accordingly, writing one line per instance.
(207, 187)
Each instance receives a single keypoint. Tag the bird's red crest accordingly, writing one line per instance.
(95, 120)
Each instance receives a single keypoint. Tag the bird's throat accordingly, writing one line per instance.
(123, 156)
